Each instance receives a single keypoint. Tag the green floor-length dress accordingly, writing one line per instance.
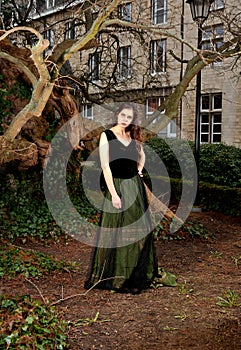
(124, 257)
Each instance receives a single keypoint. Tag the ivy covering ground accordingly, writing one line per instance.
(15, 261)
(27, 324)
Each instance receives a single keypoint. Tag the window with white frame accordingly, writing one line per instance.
(152, 104)
(50, 4)
(159, 11)
(50, 37)
(88, 111)
(211, 118)
(125, 11)
(212, 37)
(39, 6)
(95, 65)
(158, 56)
(124, 61)
(70, 30)
(217, 5)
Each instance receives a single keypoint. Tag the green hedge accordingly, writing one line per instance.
(224, 199)
(219, 174)
(168, 151)
(219, 164)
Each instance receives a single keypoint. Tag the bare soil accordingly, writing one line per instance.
(180, 318)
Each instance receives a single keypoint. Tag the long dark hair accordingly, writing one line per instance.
(134, 127)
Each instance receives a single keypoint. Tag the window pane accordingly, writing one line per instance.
(50, 37)
(50, 3)
(159, 11)
(158, 56)
(204, 138)
(217, 138)
(218, 44)
(205, 102)
(217, 118)
(154, 48)
(94, 62)
(207, 34)
(207, 45)
(219, 31)
(205, 118)
(205, 128)
(219, 4)
(40, 5)
(161, 56)
(127, 12)
(160, 16)
(153, 103)
(124, 61)
(162, 131)
(70, 30)
(88, 111)
(217, 128)
(160, 3)
(173, 126)
(217, 101)
(124, 12)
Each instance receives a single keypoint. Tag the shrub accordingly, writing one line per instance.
(173, 153)
(219, 174)
(223, 199)
(219, 164)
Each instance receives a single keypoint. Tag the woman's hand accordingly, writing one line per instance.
(116, 201)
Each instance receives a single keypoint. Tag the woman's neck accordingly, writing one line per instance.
(119, 130)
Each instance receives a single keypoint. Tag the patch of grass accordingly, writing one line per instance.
(230, 299)
(27, 324)
(236, 260)
(216, 254)
(15, 261)
(168, 328)
(88, 321)
(181, 317)
(184, 288)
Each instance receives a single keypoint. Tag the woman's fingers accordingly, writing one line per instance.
(116, 201)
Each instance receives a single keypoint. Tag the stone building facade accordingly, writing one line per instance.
(145, 71)
(220, 86)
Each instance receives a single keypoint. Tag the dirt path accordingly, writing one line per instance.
(180, 318)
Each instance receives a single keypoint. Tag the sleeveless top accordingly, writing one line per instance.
(123, 159)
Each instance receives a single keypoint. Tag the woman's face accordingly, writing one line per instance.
(125, 117)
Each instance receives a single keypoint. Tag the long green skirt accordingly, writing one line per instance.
(124, 257)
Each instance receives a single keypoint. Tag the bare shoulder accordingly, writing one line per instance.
(103, 138)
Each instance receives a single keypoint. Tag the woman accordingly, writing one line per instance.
(124, 258)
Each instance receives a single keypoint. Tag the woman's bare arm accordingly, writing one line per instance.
(141, 161)
(105, 160)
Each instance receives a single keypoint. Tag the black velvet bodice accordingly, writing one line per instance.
(123, 159)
